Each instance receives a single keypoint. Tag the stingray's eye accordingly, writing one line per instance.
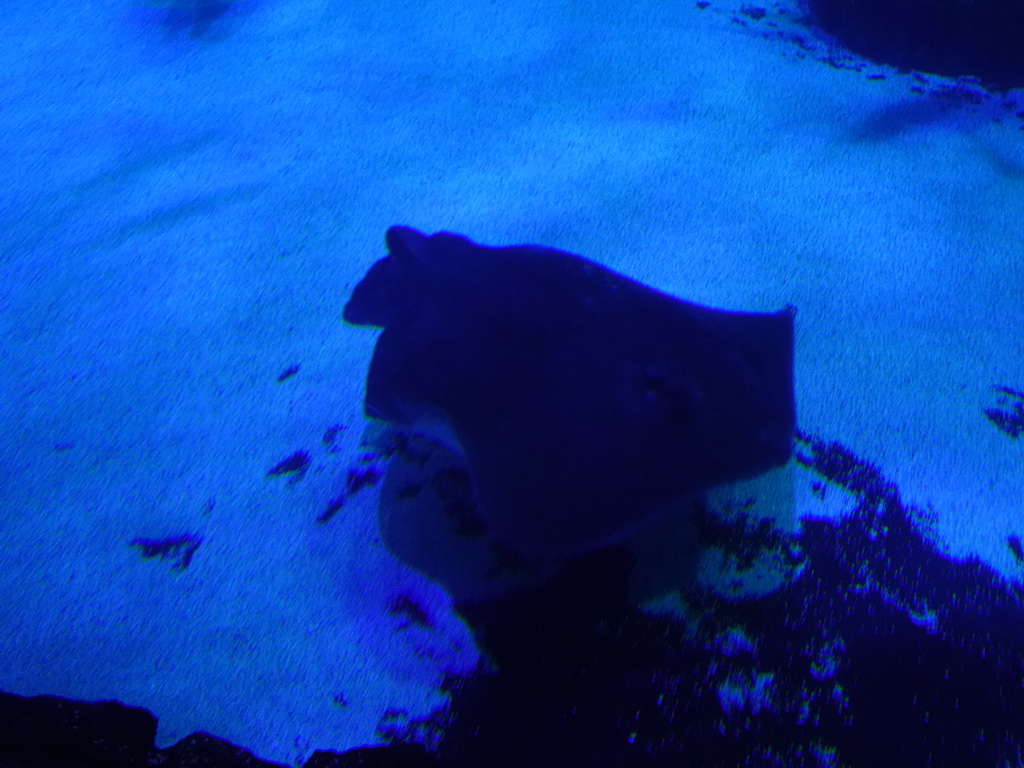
(655, 386)
(670, 397)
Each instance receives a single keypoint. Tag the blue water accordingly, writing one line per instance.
(188, 194)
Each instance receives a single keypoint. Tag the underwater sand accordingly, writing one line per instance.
(184, 210)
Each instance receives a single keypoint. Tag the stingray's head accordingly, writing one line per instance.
(387, 295)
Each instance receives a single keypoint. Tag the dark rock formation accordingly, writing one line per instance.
(49, 732)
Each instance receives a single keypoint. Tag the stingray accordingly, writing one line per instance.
(584, 402)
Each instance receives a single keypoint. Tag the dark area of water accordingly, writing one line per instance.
(954, 38)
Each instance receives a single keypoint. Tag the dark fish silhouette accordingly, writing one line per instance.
(583, 401)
